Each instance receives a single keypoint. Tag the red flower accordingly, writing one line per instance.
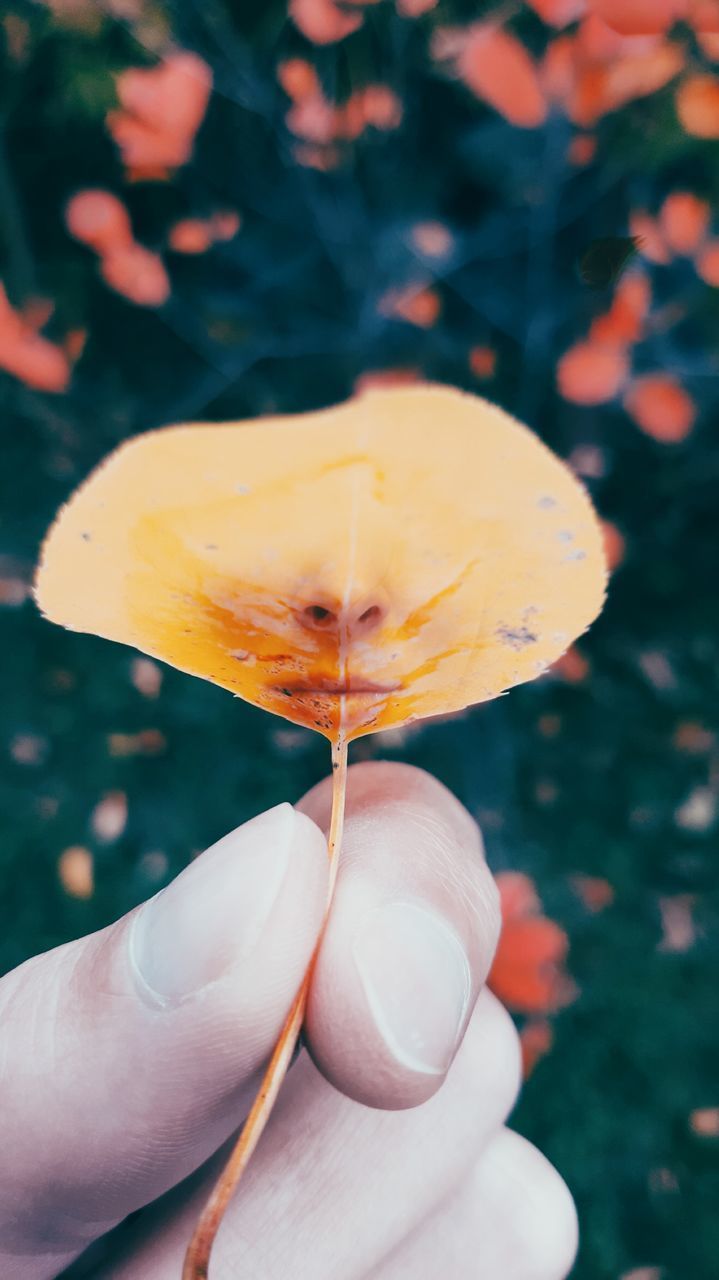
(528, 972)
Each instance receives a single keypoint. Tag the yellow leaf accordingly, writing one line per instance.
(408, 553)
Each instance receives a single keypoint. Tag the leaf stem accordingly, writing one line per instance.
(197, 1258)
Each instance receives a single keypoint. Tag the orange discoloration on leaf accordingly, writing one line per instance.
(408, 553)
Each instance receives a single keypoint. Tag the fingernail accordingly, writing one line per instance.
(212, 916)
(417, 981)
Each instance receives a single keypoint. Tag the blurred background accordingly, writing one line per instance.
(217, 210)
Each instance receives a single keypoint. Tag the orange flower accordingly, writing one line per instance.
(597, 71)
(573, 666)
(614, 545)
(661, 408)
(74, 343)
(317, 157)
(558, 72)
(558, 13)
(382, 108)
(651, 242)
(75, 871)
(225, 224)
(704, 15)
(708, 42)
(28, 356)
(697, 103)
(527, 973)
(314, 119)
(594, 891)
(639, 17)
(298, 79)
(495, 65)
(98, 219)
(483, 362)
(415, 8)
(640, 74)
(374, 378)
(190, 235)
(591, 373)
(707, 263)
(417, 306)
(704, 1122)
(536, 1040)
(162, 108)
(623, 323)
(582, 149)
(598, 42)
(322, 22)
(432, 239)
(138, 274)
(684, 221)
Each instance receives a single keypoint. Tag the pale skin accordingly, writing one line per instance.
(129, 1057)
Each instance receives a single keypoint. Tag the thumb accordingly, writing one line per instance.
(129, 1056)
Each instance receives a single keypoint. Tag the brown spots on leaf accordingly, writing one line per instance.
(516, 637)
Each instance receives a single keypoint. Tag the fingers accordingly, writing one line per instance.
(334, 1187)
(410, 938)
(512, 1218)
(127, 1057)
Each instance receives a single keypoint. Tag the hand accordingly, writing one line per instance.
(130, 1056)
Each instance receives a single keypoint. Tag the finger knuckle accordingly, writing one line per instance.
(534, 1205)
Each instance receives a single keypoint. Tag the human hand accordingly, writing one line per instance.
(129, 1057)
